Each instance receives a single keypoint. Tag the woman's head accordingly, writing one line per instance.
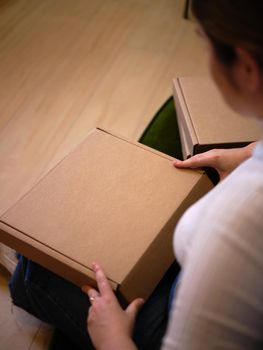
(232, 23)
(234, 29)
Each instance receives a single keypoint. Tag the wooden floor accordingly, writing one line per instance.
(67, 66)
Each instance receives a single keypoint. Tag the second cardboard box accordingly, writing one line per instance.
(205, 121)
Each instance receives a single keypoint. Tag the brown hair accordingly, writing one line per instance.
(230, 24)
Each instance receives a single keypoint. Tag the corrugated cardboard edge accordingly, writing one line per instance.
(183, 116)
(143, 268)
(186, 148)
(48, 257)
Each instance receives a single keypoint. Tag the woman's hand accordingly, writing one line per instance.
(109, 326)
(222, 160)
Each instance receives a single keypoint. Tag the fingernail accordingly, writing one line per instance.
(94, 266)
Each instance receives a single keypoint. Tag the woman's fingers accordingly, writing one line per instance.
(224, 161)
(104, 286)
(134, 307)
(91, 292)
(199, 160)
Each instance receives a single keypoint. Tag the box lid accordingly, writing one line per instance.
(207, 118)
(107, 201)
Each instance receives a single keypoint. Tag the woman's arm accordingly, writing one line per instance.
(222, 160)
(109, 326)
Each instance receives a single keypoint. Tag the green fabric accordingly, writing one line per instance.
(161, 134)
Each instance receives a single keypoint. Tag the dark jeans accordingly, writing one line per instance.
(62, 304)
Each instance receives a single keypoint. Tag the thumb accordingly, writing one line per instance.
(209, 158)
(192, 162)
(134, 307)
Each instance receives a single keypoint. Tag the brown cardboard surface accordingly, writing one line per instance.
(112, 201)
(207, 122)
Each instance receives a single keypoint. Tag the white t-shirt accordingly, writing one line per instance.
(219, 244)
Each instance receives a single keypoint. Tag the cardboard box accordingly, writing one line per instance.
(205, 121)
(112, 201)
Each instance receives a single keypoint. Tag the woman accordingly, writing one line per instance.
(219, 241)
